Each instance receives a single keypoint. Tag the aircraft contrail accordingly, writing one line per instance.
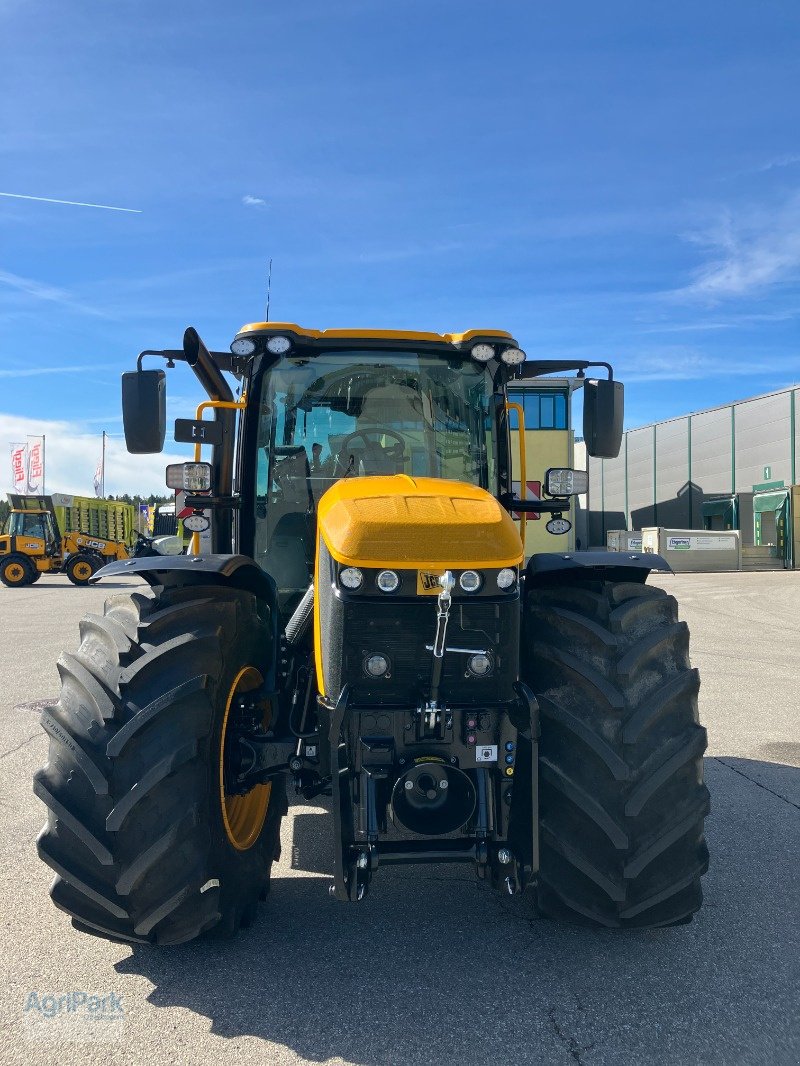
(70, 203)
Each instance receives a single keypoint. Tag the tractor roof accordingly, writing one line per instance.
(338, 335)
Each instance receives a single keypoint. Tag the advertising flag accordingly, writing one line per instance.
(35, 465)
(98, 477)
(19, 467)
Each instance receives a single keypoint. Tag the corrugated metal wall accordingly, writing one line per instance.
(665, 471)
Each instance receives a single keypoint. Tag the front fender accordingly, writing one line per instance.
(169, 571)
(555, 567)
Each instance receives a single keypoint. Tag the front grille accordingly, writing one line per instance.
(401, 630)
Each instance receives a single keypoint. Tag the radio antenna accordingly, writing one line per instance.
(269, 289)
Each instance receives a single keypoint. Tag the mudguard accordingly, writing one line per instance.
(604, 565)
(238, 571)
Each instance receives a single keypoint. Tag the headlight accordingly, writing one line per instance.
(470, 581)
(243, 346)
(479, 665)
(387, 581)
(278, 345)
(482, 352)
(192, 477)
(562, 481)
(376, 665)
(351, 577)
(513, 356)
(506, 578)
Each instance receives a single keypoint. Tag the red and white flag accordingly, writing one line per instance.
(35, 465)
(19, 467)
(98, 477)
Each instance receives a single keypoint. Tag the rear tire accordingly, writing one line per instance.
(622, 799)
(135, 828)
(80, 567)
(16, 571)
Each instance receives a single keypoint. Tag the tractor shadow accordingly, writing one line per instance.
(433, 966)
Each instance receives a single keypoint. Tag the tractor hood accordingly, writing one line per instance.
(399, 521)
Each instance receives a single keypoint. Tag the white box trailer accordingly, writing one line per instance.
(695, 549)
(624, 540)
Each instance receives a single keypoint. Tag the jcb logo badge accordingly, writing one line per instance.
(428, 584)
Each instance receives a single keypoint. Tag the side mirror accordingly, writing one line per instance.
(603, 416)
(144, 410)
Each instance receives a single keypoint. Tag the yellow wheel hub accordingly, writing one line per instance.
(15, 572)
(243, 816)
(82, 571)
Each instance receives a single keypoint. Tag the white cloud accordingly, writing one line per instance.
(40, 290)
(36, 371)
(787, 160)
(72, 454)
(747, 254)
(253, 201)
(679, 363)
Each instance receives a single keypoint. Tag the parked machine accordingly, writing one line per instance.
(33, 544)
(367, 627)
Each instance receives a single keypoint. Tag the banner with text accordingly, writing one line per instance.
(35, 465)
(19, 467)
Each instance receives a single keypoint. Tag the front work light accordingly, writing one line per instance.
(351, 577)
(482, 352)
(470, 581)
(513, 356)
(191, 477)
(278, 345)
(506, 578)
(387, 581)
(560, 481)
(479, 665)
(243, 346)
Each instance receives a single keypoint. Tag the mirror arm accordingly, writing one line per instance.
(169, 355)
(200, 503)
(535, 368)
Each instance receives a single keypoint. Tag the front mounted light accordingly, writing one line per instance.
(376, 665)
(506, 578)
(479, 665)
(351, 578)
(387, 581)
(513, 356)
(482, 353)
(562, 481)
(278, 345)
(243, 346)
(470, 581)
(190, 477)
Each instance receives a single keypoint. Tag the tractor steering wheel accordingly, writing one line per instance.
(374, 451)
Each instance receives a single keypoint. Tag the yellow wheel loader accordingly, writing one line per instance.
(32, 545)
(365, 627)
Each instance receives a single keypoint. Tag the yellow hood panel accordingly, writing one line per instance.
(405, 522)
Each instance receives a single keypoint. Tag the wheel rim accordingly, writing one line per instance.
(82, 571)
(15, 573)
(243, 816)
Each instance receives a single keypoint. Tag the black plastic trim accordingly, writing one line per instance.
(551, 562)
(238, 571)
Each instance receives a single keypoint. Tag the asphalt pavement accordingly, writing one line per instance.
(433, 967)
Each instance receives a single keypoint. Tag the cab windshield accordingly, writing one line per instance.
(29, 524)
(354, 414)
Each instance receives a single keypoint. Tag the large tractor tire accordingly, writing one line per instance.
(81, 566)
(622, 799)
(146, 845)
(16, 571)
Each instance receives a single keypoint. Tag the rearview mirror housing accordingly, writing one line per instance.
(603, 417)
(144, 411)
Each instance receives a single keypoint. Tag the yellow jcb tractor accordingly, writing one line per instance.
(366, 627)
(32, 545)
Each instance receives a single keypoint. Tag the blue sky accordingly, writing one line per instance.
(616, 180)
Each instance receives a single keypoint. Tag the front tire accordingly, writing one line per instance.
(136, 829)
(622, 799)
(16, 571)
(81, 567)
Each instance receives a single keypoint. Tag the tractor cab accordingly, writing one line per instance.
(38, 525)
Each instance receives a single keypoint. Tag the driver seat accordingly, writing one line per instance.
(386, 407)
